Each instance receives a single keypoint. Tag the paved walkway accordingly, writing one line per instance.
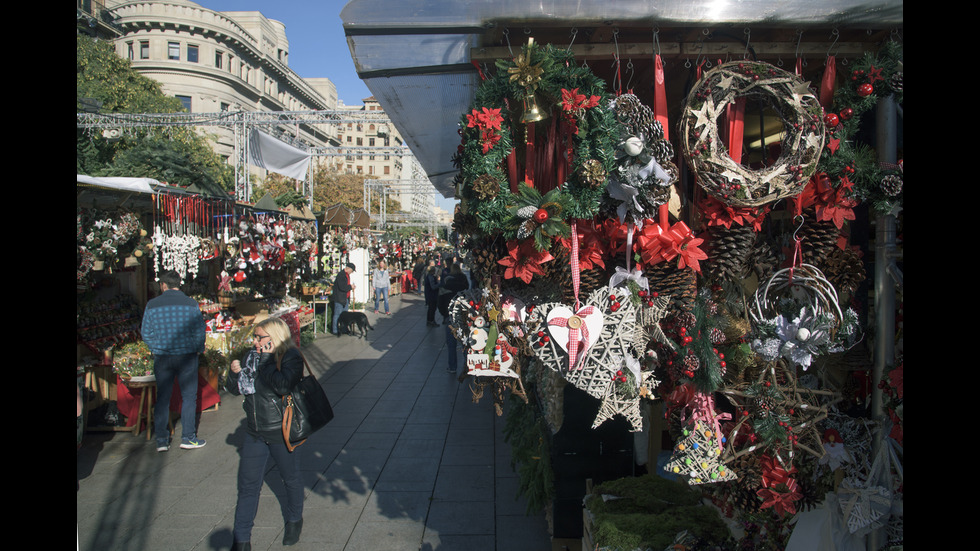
(409, 463)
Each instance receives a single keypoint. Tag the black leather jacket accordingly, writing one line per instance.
(263, 410)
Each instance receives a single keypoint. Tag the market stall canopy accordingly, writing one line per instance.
(267, 203)
(302, 213)
(339, 215)
(139, 185)
(420, 58)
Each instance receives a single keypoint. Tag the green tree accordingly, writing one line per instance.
(330, 187)
(177, 155)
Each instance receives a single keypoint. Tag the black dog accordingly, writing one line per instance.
(349, 321)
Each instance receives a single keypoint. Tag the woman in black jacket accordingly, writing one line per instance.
(270, 371)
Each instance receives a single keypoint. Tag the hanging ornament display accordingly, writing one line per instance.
(801, 141)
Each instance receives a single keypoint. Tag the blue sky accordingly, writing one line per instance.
(317, 47)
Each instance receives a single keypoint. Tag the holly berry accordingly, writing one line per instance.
(540, 216)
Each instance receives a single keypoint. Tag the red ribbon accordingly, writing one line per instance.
(827, 84)
(659, 94)
(735, 113)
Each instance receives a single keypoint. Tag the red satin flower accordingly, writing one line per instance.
(523, 260)
(721, 214)
(487, 119)
(782, 499)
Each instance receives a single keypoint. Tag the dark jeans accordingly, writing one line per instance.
(338, 309)
(451, 343)
(181, 368)
(251, 475)
(430, 312)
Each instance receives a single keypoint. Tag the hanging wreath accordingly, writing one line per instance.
(568, 146)
(801, 143)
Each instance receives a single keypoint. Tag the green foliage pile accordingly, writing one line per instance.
(650, 512)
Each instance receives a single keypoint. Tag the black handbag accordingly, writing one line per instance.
(305, 410)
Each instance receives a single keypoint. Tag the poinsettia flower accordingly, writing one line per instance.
(718, 213)
(488, 139)
(487, 119)
(524, 260)
(590, 247)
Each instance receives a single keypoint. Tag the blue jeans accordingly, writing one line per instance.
(451, 343)
(338, 309)
(380, 292)
(181, 368)
(251, 475)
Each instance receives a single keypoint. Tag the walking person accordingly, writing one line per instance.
(340, 296)
(455, 282)
(381, 281)
(431, 296)
(173, 328)
(270, 370)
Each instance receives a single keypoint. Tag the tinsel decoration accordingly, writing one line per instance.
(592, 173)
(701, 142)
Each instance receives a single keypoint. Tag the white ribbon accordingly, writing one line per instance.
(623, 275)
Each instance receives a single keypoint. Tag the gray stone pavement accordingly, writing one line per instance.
(408, 463)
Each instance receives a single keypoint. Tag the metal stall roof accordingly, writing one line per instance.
(419, 57)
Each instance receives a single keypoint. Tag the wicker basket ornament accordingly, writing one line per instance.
(802, 137)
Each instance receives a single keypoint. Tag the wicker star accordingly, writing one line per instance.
(649, 317)
(619, 401)
(774, 398)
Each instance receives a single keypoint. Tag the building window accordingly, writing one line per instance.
(371, 170)
(173, 51)
(218, 58)
(360, 141)
(144, 49)
(130, 51)
(192, 53)
(186, 100)
(225, 106)
(371, 142)
(387, 169)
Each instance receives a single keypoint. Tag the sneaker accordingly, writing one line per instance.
(163, 445)
(192, 443)
(375, 311)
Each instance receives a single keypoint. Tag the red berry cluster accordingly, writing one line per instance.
(615, 303)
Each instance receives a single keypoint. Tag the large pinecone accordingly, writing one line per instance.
(742, 491)
(817, 240)
(484, 255)
(728, 252)
(681, 285)
(845, 270)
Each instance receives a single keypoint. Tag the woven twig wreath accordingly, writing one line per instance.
(801, 143)
(805, 283)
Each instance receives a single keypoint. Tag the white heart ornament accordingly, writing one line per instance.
(588, 323)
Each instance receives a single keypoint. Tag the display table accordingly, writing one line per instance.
(128, 399)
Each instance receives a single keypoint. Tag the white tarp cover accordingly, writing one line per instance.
(141, 185)
(274, 155)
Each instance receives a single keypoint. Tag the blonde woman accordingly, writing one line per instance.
(270, 370)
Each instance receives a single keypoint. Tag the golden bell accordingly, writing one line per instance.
(531, 111)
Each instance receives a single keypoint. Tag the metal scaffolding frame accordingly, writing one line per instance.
(242, 122)
(419, 213)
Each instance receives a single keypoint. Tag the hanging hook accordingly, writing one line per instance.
(748, 40)
(799, 227)
(573, 34)
(835, 35)
(630, 72)
(507, 38)
(656, 41)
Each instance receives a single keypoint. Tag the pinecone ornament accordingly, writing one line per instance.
(662, 151)
(592, 173)
(891, 185)
(896, 81)
(486, 187)
(845, 270)
(485, 253)
(817, 240)
(666, 279)
(729, 250)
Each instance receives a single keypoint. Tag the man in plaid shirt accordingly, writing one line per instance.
(173, 329)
